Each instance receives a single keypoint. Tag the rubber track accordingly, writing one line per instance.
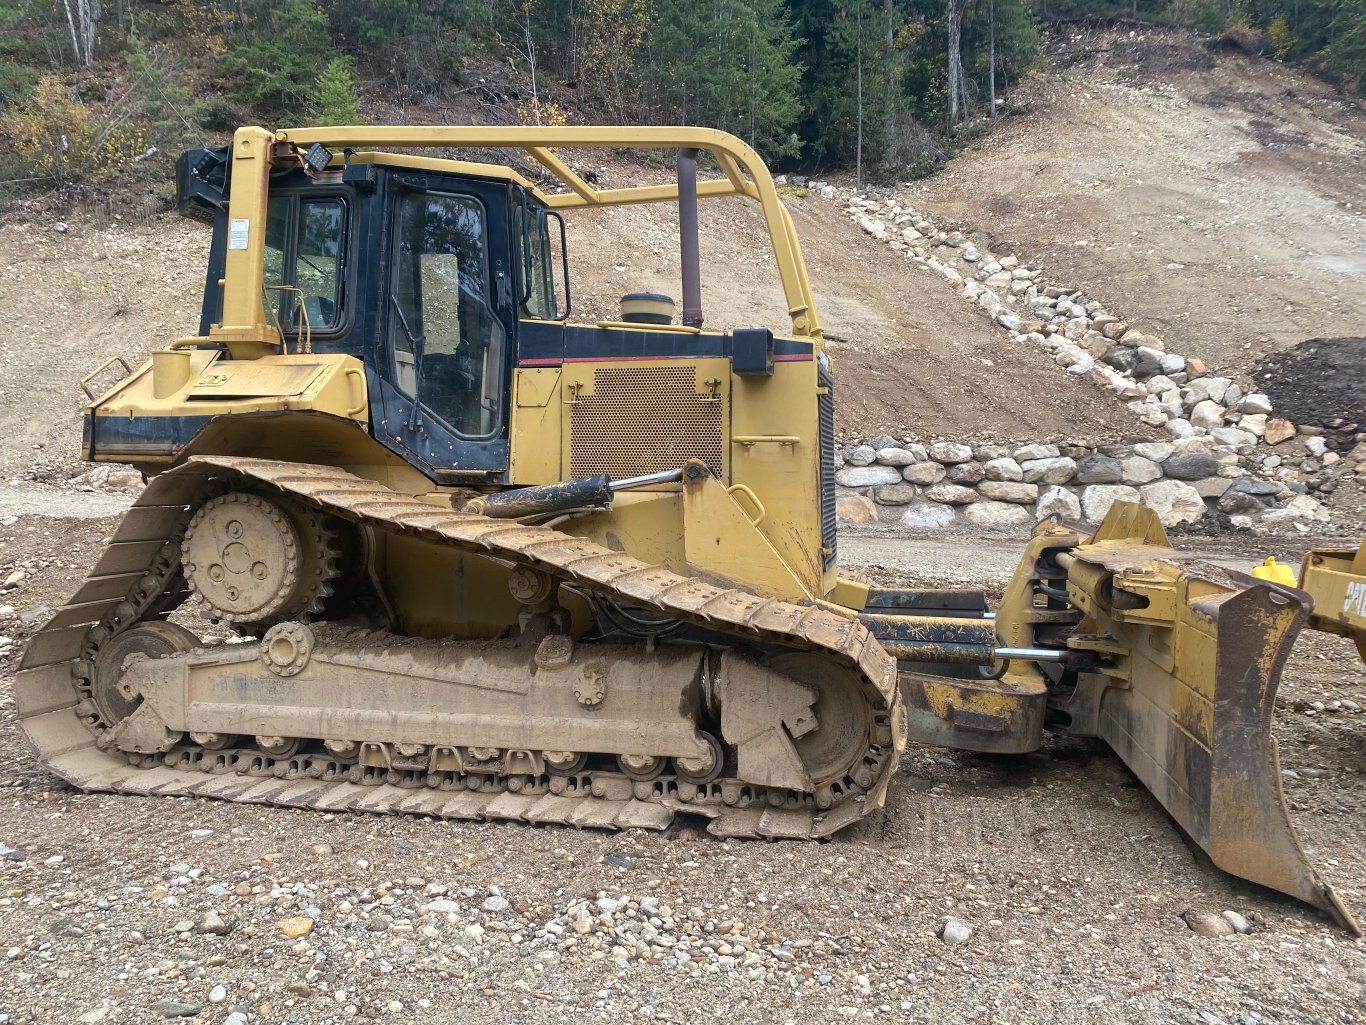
(47, 700)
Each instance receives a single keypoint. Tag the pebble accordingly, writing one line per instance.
(212, 924)
(295, 927)
(1239, 923)
(956, 932)
(171, 1008)
(496, 904)
(236, 1018)
(1208, 923)
(218, 994)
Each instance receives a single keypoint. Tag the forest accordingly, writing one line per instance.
(884, 88)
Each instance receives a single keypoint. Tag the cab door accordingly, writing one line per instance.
(446, 330)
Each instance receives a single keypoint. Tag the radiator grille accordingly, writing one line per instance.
(641, 420)
(826, 411)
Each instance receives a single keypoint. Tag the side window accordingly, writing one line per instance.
(447, 343)
(538, 290)
(304, 243)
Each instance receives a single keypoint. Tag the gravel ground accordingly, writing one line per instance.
(1047, 888)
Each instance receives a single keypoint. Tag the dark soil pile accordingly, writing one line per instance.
(1321, 382)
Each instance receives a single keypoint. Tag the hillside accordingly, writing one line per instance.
(1206, 195)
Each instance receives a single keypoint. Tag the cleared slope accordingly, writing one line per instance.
(1157, 151)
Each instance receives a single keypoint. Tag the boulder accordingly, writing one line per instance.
(1207, 415)
(894, 494)
(950, 452)
(1137, 470)
(882, 441)
(1255, 402)
(1003, 469)
(1099, 470)
(1056, 501)
(1114, 330)
(1212, 487)
(922, 473)
(860, 455)
(867, 476)
(1234, 502)
(950, 494)
(1195, 368)
(1278, 430)
(1174, 501)
(986, 453)
(927, 515)
(1157, 451)
(966, 473)
(1234, 438)
(1009, 491)
(892, 456)
(1301, 507)
(1057, 470)
(1253, 423)
(1190, 465)
(1097, 499)
(1035, 452)
(1211, 388)
(1179, 428)
(998, 515)
(855, 509)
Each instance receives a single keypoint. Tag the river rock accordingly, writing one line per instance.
(894, 494)
(1055, 470)
(1097, 499)
(923, 474)
(855, 509)
(895, 456)
(950, 452)
(867, 476)
(1174, 501)
(860, 455)
(1056, 501)
(1009, 491)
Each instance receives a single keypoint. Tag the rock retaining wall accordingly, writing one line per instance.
(1228, 453)
(891, 480)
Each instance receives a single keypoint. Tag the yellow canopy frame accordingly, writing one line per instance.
(256, 152)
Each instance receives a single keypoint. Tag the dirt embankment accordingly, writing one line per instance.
(1214, 199)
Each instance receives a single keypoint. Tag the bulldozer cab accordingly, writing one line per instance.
(424, 276)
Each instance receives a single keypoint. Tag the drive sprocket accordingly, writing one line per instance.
(257, 561)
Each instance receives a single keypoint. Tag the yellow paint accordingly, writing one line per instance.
(1275, 572)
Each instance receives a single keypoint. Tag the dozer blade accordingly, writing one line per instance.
(1191, 656)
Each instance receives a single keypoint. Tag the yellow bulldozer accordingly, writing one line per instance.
(481, 560)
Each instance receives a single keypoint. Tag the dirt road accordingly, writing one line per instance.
(1070, 876)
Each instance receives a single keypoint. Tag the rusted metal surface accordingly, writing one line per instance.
(139, 574)
(973, 714)
(1193, 657)
(934, 639)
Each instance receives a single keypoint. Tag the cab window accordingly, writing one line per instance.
(305, 240)
(538, 290)
(447, 342)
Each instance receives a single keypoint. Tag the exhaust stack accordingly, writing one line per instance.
(687, 238)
